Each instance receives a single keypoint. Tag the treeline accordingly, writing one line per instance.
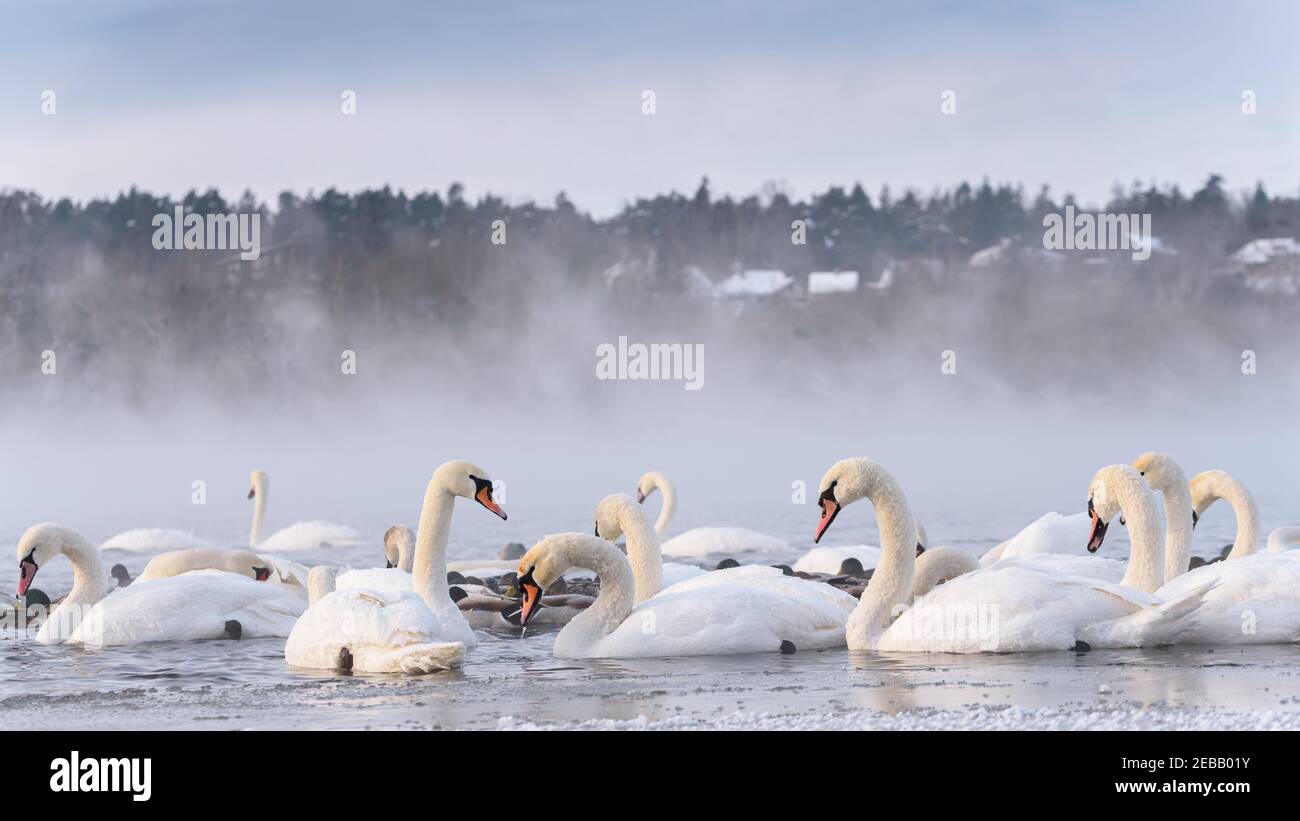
(85, 278)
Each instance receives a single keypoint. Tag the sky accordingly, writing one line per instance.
(527, 99)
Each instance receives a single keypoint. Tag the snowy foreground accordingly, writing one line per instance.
(974, 717)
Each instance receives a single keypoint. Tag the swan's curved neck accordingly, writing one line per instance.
(89, 579)
(670, 502)
(259, 514)
(891, 583)
(938, 565)
(429, 568)
(1222, 486)
(613, 603)
(1178, 524)
(1281, 537)
(642, 550)
(1145, 569)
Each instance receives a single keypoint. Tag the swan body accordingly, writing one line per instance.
(828, 560)
(1281, 537)
(313, 535)
(1050, 533)
(399, 552)
(1254, 599)
(148, 540)
(377, 632)
(730, 541)
(384, 631)
(702, 541)
(749, 609)
(1017, 604)
(195, 605)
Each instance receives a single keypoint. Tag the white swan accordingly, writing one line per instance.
(1013, 605)
(381, 631)
(702, 541)
(149, 539)
(750, 609)
(301, 536)
(1209, 486)
(1050, 533)
(618, 515)
(205, 604)
(399, 553)
(1253, 598)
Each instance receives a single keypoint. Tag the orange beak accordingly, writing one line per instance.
(830, 509)
(531, 594)
(484, 497)
(1098, 533)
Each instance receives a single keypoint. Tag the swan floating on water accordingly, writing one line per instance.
(1254, 598)
(385, 631)
(750, 609)
(1014, 605)
(204, 604)
(312, 535)
(702, 541)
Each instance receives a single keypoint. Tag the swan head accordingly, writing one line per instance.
(846, 482)
(1163, 474)
(1104, 498)
(1207, 488)
(609, 515)
(647, 484)
(399, 541)
(545, 562)
(40, 544)
(257, 483)
(247, 563)
(469, 481)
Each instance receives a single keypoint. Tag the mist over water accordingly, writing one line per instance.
(1045, 393)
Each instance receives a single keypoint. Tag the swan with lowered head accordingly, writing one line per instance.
(301, 536)
(384, 631)
(702, 541)
(197, 605)
(1208, 487)
(713, 614)
(175, 562)
(1014, 605)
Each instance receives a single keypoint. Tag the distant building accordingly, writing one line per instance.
(1270, 266)
(988, 257)
(752, 284)
(1264, 251)
(832, 282)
